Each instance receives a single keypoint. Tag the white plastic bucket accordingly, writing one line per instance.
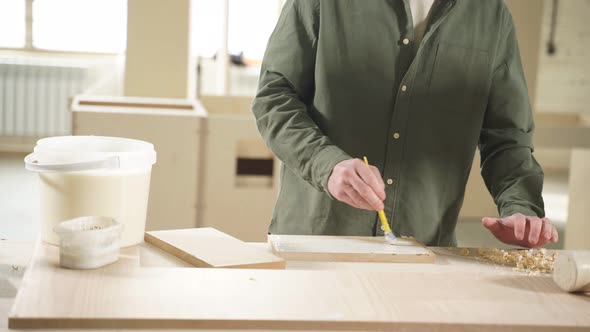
(93, 176)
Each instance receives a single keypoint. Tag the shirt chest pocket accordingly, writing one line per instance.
(460, 78)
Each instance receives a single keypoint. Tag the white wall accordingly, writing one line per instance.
(564, 78)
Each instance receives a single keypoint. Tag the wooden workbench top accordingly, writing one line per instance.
(15, 255)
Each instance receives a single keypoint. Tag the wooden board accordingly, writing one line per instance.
(208, 247)
(349, 249)
(123, 295)
(578, 228)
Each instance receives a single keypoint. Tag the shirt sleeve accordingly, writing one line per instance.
(511, 173)
(285, 91)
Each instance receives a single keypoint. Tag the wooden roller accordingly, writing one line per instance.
(571, 271)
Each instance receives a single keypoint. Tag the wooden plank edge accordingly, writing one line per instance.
(242, 324)
(278, 264)
(136, 104)
(430, 252)
(167, 247)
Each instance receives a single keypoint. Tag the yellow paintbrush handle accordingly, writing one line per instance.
(383, 218)
(381, 214)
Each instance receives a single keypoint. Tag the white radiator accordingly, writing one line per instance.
(34, 97)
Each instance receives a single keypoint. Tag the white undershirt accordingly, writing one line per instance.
(420, 14)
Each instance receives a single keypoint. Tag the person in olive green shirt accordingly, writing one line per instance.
(342, 79)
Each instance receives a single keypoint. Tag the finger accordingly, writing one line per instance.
(341, 195)
(358, 200)
(492, 224)
(344, 197)
(374, 182)
(378, 176)
(535, 227)
(518, 224)
(547, 229)
(366, 192)
(554, 235)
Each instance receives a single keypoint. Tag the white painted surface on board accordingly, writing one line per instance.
(345, 245)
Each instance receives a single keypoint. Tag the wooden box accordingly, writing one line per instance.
(239, 174)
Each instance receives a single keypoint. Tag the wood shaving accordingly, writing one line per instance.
(533, 261)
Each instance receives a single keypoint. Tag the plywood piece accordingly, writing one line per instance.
(125, 296)
(349, 249)
(230, 134)
(208, 247)
(577, 227)
(158, 60)
(227, 105)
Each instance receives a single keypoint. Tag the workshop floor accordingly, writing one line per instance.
(19, 206)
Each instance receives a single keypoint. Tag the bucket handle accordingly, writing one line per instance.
(32, 164)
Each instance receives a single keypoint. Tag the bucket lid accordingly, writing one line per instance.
(82, 153)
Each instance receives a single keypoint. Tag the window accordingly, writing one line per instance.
(206, 20)
(74, 25)
(12, 23)
(101, 25)
(250, 24)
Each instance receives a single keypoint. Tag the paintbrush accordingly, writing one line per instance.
(389, 236)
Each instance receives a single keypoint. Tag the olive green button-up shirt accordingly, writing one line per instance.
(343, 79)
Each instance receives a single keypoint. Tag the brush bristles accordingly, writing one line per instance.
(390, 237)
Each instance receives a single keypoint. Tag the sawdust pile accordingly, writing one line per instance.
(532, 261)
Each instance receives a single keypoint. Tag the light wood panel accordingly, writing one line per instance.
(158, 61)
(237, 205)
(234, 105)
(577, 228)
(349, 249)
(125, 296)
(208, 247)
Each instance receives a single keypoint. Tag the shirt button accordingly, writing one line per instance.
(406, 41)
(404, 88)
(389, 181)
(396, 135)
